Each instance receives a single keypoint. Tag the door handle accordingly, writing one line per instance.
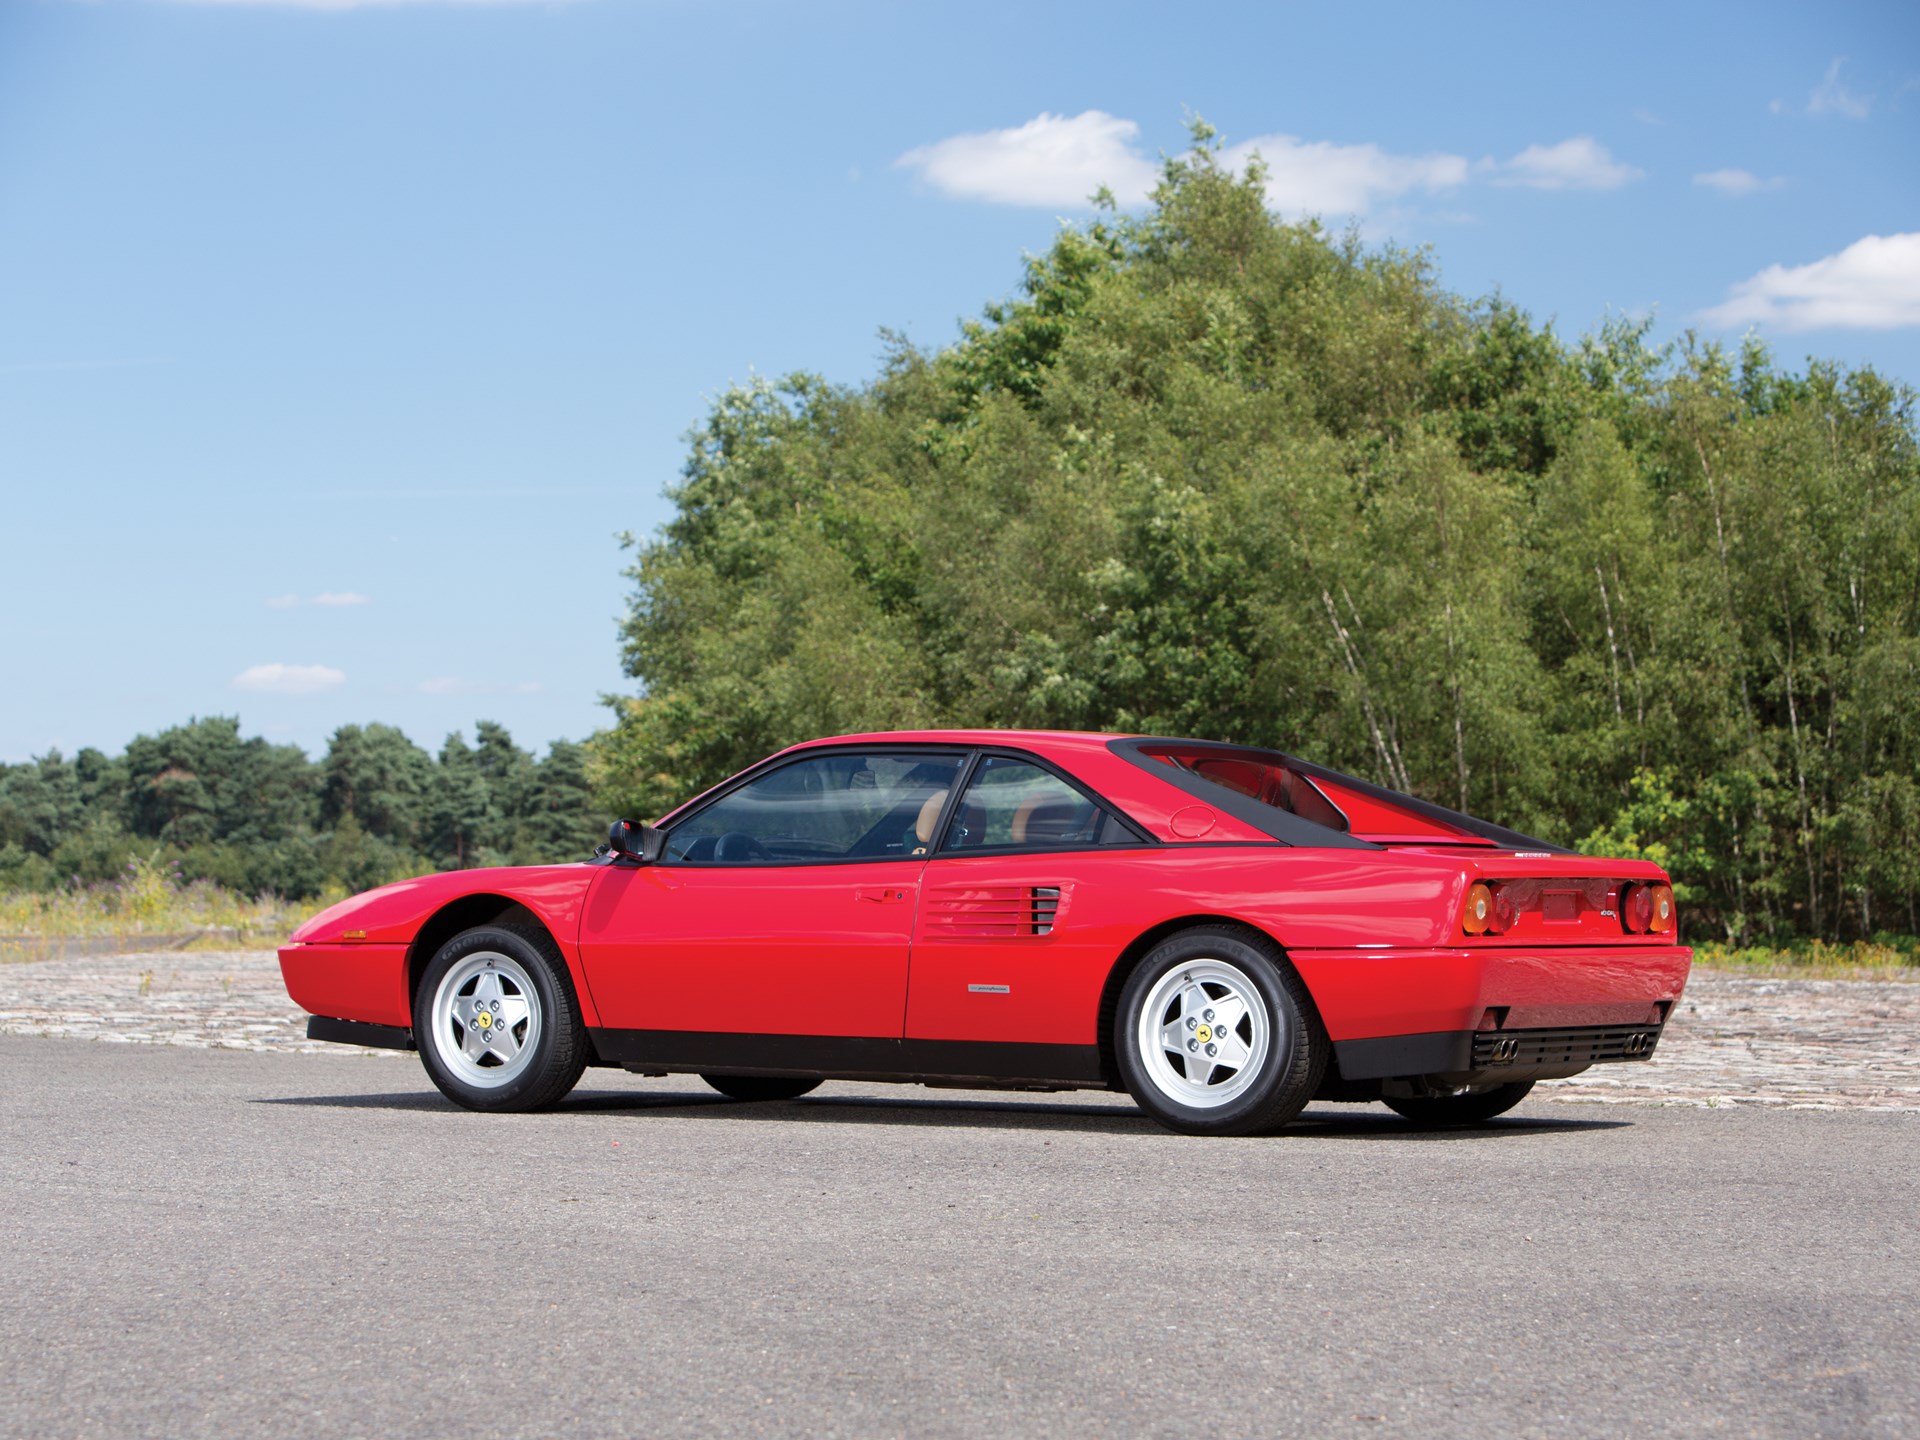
(883, 895)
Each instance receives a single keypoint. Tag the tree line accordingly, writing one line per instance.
(258, 817)
(1217, 475)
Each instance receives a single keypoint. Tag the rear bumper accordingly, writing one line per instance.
(1497, 1013)
(1494, 1054)
(1396, 993)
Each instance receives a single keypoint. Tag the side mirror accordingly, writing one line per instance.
(636, 841)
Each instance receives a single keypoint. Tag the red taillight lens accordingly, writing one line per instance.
(1477, 914)
(1505, 912)
(1664, 917)
(1636, 908)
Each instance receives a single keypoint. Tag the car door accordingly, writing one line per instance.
(1023, 909)
(783, 906)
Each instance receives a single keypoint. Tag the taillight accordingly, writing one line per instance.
(1648, 909)
(1637, 907)
(1505, 911)
(1664, 918)
(1477, 914)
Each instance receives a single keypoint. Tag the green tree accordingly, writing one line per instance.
(560, 818)
(461, 816)
(379, 778)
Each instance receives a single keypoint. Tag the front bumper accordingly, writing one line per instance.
(367, 980)
(359, 1032)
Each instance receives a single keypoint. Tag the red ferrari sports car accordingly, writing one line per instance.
(1225, 933)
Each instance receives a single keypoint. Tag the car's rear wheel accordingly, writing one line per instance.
(1469, 1107)
(1216, 1034)
(761, 1087)
(496, 1022)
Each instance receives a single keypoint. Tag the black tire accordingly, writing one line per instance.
(557, 1047)
(1275, 1088)
(761, 1087)
(1468, 1109)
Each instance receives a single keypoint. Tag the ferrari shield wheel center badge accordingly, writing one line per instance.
(1203, 1034)
(484, 1019)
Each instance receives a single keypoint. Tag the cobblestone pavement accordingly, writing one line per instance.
(1810, 1044)
(205, 999)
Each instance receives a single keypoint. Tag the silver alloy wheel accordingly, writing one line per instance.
(1204, 1033)
(486, 1019)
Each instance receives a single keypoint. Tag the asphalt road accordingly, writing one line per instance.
(209, 1243)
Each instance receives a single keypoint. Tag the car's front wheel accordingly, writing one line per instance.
(1469, 1107)
(496, 1022)
(1216, 1034)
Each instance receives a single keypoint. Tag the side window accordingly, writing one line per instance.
(844, 805)
(1010, 803)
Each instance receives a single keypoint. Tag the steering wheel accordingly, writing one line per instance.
(738, 845)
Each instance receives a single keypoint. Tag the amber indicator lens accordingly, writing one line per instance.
(1661, 903)
(1477, 914)
(1636, 910)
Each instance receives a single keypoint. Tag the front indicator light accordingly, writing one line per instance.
(1477, 914)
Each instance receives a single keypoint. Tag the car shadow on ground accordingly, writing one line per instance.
(1317, 1122)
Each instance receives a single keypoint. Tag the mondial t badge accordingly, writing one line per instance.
(1203, 1034)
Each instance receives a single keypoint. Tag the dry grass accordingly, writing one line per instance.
(148, 907)
(1815, 960)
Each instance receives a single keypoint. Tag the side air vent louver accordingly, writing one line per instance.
(1046, 904)
(1008, 911)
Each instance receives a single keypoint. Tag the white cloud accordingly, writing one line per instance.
(1873, 284)
(1830, 97)
(332, 599)
(1737, 182)
(1052, 160)
(279, 679)
(1317, 177)
(1581, 163)
(1060, 160)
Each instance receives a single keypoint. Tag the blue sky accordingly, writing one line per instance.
(339, 339)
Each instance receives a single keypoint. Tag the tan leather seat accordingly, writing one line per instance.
(1043, 819)
(928, 817)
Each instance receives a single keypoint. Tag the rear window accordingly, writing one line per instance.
(1258, 777)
